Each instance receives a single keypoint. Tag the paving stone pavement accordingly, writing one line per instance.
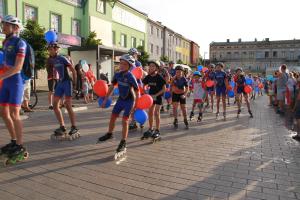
(234, 159)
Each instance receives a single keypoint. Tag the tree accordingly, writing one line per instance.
(34, 35)
(143, 58)
(164, 58)
(179, 61)
(91, 40)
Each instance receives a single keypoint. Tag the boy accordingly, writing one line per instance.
(128, 89)
(157, 86)
(179, 89)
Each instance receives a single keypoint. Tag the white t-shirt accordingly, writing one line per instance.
(291, 83)
(198, 90)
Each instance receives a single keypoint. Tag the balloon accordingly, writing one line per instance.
(141, 90)
(116, 92)
(200, 67)
(167, 95)
(137, 72)
(249, 81)
(248, 89)
(1, 57)
(230, 94)
(144, 102)
(210, 83)
(50, 36)
(260, 86)
(204, 69)
(229, 87)
(232, 84)
(82, 62)
(140, 116)
(100, 88)
(85, 67)
(108, 102)
(270, 78)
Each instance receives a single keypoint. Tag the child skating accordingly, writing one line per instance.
(157, 87)
(179, 89)
(128, 89)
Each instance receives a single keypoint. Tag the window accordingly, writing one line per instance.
(123, 40)
(75, 27)
(151, 30)
(274, 54)
(266, 54)
(157, 32)
(114, 37)
(283, 54)
(151, 48)
(157, 50)
(30, 13)
(142, 43)
(101, 6)
(55, 22)
(133, 42)
(2, 8)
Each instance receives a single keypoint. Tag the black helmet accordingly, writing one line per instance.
(220, 64)
(239, 68)
(179, 67)
(157, 63)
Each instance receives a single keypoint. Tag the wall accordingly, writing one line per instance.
(155, 40)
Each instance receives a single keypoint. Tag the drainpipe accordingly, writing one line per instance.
(17, 5)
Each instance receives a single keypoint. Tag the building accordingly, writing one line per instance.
(183, 47)
(256, 56)
(194, 58)
(155, 32)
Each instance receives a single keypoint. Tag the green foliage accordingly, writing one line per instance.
(91, 40)
(34, 35)
(164, 58)
(179, 61)
(143, 58)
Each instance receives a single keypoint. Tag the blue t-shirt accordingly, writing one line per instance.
(240, 81)
(180, 83)
(211, 75)
(125, 81)
(138, 63)
(220, 77)
(60, 64)
(172, 72)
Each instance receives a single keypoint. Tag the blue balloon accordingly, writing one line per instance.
(140, 116)
(116, 92)
(167, 95)
(256, 89)
(1, 57)
(232, 84)
(230, 94)
(249, 81)
(108, 102)
(200, 67)
(83, 62)
(270, 78)
(50, 36)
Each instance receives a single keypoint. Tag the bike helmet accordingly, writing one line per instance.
(171, 62)
(239, 68)
(133, 51)
(162, 64)
(179, 67)
(53, 44)
(212, 65)
(220, 64)
(197, 73)
(12, 20)
(157, 63)
(128, 58)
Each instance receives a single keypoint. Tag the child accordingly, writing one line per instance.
(85, 89)
(157, 86)
(128, 89)
(199, 92)
(179, 88)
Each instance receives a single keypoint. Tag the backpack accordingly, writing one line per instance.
(29, 61)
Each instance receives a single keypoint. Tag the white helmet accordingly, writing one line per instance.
(128, 58)
(12, 20)
(133, 51)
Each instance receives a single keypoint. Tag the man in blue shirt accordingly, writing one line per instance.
(221, 88)
(63, 89)
(12, 89)
(128, 90)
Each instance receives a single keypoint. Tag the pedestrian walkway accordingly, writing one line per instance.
(235, 159)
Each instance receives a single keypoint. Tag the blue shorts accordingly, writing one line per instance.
(221, 91)
(125, 105)
(210, 89)
(240, 90)
(63, 88)
(11, 92)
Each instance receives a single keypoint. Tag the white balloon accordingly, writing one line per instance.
(85, 67)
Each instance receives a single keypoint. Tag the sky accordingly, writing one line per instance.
(204, 21)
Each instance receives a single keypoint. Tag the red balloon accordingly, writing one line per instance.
(144, 102)
(210, 83)
(100, 88)
(204, 69)
(248, 89)
(260, 85)
(137, 72)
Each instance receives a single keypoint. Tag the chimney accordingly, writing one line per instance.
(255, 40)
(267, 40)
(240, 40)
(228, 40)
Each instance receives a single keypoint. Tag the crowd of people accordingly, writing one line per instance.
(165, 83)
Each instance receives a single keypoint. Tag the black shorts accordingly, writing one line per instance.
(177, 98)
(52, 84)
(158, 100)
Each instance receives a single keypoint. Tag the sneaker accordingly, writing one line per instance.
(105, 137)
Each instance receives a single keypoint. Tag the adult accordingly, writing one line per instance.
(12, 88)
(281, 87)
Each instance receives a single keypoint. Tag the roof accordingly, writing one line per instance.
(142, 13)
(256, 42)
